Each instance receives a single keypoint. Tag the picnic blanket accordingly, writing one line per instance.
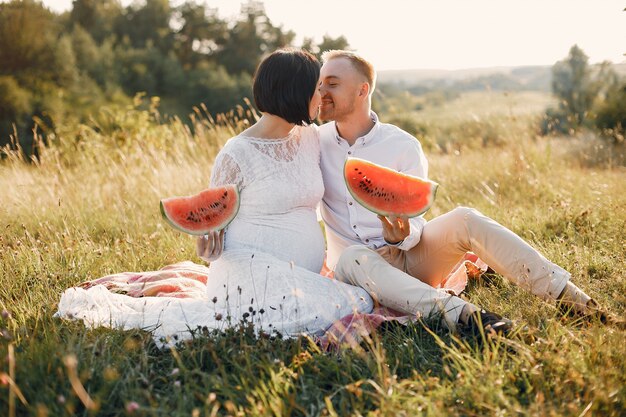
(188, 280)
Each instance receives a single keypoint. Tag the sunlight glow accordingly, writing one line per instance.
(451, 34)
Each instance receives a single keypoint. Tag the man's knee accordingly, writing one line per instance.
(464, 213)
(353, 254)
(352, 261)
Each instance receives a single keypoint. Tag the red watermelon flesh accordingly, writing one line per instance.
(386, 191)
(210, 210)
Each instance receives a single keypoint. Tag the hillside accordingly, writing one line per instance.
(519, 78)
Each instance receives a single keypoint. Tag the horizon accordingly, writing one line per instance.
(452, 34)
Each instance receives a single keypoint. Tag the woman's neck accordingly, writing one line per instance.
(269, 127)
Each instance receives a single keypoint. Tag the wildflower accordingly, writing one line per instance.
(131, 407)
(6, 314)
(6, 334)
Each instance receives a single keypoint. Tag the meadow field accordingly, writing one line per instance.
(87, 206)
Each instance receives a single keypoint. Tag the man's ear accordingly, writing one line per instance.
(364, 90)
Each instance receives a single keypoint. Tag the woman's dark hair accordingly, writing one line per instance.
(284, 84)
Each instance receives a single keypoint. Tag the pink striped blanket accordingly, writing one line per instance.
(188, 280)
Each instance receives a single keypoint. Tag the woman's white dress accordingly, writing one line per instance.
(273, 251)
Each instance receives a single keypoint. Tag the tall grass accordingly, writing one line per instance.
(87, 207)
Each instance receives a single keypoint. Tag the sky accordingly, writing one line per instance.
(450, 34)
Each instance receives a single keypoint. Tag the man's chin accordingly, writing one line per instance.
(325, 116)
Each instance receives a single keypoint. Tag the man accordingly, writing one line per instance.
(386, 255)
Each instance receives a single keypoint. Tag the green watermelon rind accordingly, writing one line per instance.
(224, 224)
(433, 193)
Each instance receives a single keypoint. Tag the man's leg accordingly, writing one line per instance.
(363, 267)
(391, 287)
(448, 237)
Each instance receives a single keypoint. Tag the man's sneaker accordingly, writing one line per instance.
(573, 302)
(488, 323)
(590, 311)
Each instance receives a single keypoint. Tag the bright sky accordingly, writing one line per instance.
(451, 34)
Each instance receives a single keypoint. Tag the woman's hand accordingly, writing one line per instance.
(395, 229)
(210, 246)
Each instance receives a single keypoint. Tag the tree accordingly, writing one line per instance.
(147, 25)
(39, 63)
(98, 17)
(252, 36)
(328, 43)
(28, 34)
(93, 60)
(200, 35)
(611, 114)
(15, 107)
(606, 80)
(572, 84)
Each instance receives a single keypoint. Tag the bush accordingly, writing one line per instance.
(611, 115)
(558, 121)
(15, 107)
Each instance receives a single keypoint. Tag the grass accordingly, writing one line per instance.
(471, 120)
(88, 207)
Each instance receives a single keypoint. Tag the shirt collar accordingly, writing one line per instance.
(369, 136)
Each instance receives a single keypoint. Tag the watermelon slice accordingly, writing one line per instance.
(210, 210)
(388, 192)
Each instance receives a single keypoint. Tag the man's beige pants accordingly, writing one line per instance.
(389, 273)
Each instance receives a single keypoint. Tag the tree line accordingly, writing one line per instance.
(588, 97)
(60, 68)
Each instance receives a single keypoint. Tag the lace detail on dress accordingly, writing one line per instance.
(283, 149)
(280, 184)
(226, 171)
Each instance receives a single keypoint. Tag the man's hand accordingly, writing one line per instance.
(209, 247)
(395, 229)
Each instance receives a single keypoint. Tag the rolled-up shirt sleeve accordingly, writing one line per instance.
(417, 226)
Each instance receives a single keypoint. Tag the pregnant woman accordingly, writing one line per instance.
(274, 248)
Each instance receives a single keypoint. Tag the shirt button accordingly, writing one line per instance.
(349, 152)
(354, 226)
(367, 241)
(349, 203)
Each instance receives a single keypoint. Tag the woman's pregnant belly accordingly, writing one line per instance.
(295, 236)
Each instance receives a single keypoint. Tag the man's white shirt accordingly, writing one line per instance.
(346, 221)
